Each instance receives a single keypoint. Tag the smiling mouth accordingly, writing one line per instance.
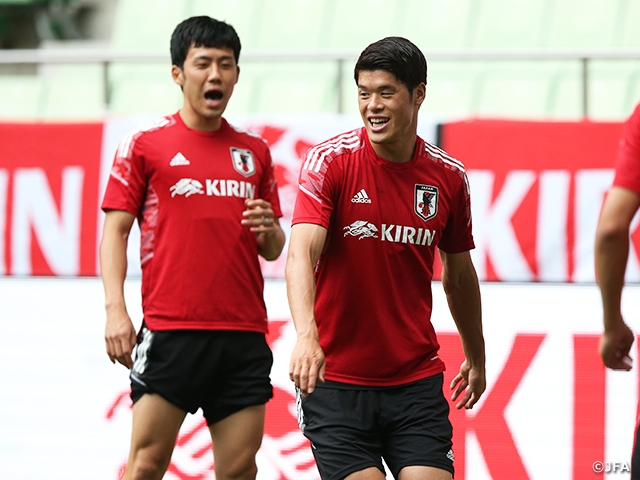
(213, 95)
(378, 122)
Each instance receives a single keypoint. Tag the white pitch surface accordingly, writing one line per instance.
(57, 384)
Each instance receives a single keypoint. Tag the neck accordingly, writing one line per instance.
(396, 152)
(198, 122)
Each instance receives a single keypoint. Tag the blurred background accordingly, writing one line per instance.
(534, 59)
(530, 94)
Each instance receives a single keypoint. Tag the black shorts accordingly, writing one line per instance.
(352, 428)
(221, 372)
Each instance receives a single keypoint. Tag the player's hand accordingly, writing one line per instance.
(307, 364)
(470, 383)
(120, 338)
(615, 345)
(259, 216)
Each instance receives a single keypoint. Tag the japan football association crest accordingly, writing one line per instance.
(243, 161)
(425, 201)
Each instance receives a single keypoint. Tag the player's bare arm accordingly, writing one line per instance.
(120, 334)
(611, 252)
(261, 220)
(307, 364)
(461, 286)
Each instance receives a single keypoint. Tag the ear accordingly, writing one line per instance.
(237, 74)
(178, 75)
(420, 94)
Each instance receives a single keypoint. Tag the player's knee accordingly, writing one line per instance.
(146, 466)
(237, 470)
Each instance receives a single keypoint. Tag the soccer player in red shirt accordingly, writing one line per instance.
(373, 205)
(206, 200)
(611, 254)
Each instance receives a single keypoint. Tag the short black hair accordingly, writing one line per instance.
(202, 31)
(396, 55)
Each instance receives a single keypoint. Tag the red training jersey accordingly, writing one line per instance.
(187, 188)
(373, 279)
(628, 159)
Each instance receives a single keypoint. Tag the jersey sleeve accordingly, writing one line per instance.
(627, 167)
(314, 200)
(126, 186)
(457, 236)
(269, 185)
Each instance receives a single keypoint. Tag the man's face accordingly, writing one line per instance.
(388, 110)
(207, 80)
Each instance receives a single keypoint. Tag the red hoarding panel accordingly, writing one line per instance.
(536, 193)
(49, 198)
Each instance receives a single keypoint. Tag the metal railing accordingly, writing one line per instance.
(108, 57)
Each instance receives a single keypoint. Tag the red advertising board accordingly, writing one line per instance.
(536, 192)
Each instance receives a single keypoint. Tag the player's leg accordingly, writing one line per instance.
(160, 389)
(371, 473)
(236, 440)
(417, 444)
(156, 423)
(340, 422)
(235, 405)
(423, 473)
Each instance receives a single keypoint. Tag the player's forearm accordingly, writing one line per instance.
(611, 253)
(270, 244)
(463, 298)
(301, 294)
(113, 269)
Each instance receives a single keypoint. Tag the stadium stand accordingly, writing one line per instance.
(509, 23)
(582, 23)
(537, 89)
(435, 25)
(20, 97)
(72, 92)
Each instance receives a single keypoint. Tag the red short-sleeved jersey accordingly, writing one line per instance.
(373, 279)
(187, 188)
(628, 158)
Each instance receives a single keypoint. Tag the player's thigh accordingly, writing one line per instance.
(237, 438)
(371, 473)
(423, 473)
(156, 423)
(341, 426)
(417, 426)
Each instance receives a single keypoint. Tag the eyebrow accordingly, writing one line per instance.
(386, 86)
(203, 56)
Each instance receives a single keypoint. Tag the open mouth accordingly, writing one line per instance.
(213, 95)
(378, 122)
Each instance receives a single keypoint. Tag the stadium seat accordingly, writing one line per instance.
(436, 24)
(516, 89)
(348, 89)
(452, 88)
(612, 88)
(295, 87)
(21, 97)
(566, 97)
(354, 24)
(144, 89)
(628, 26)
(508, 23)
(582, 23)
(244, 15)
(293, 24)
(146, 24)
(73, 92)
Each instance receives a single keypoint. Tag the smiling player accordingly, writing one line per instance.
(359, 273)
